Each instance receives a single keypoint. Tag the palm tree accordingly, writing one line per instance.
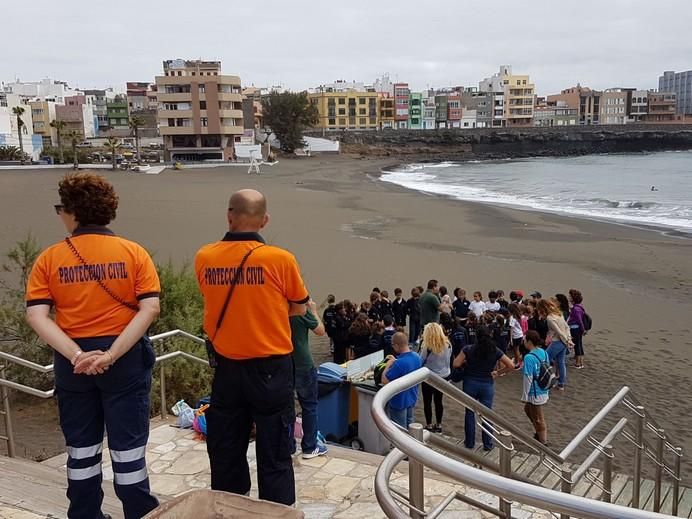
(59, 126)
(113, 145)
(136, 122)
(75, 138)
(19, 111)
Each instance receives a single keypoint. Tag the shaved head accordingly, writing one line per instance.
(247, 210)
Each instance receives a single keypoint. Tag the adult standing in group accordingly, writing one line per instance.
(105, 292)
(577, 329)
(413, 310)
(461, 305)
(435, 354)
(430, 304)
(399, 308)
(306, 377)
(559, 335)
(250, 340)
(480, 361)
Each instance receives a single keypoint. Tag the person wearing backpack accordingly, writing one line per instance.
(558, 335)
(577, 326)
(537, 377)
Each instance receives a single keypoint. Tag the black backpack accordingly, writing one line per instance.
(587, 321)
(546, 375)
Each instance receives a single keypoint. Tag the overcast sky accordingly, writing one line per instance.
(300, 44)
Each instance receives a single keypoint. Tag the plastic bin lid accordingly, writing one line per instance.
(331, 372)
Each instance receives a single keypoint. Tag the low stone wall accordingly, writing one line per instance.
(490, 143)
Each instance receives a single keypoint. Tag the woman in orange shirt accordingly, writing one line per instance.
(105, 291)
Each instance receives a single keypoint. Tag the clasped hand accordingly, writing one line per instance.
(94, 362)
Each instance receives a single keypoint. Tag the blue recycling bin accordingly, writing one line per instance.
(333, 401)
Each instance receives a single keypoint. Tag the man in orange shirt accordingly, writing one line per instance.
(250, 289)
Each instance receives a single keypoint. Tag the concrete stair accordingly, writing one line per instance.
(29, 489)
(530, 466)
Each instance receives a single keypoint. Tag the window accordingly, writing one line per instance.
(342, 121)
(362, 111)
(204, 121)
(202, 105)
(342, 111)
(193, 72)
(373, 121)
(180, 73)
(363, 121)
(331, 101)
(342, 100)
(201, 88)
(332, 122)
(352, 101)
(361, 100)
(171, 122)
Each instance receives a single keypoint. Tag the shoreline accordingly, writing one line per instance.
(669, 231)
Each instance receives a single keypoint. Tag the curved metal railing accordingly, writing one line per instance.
(505, 484)
(48, 368)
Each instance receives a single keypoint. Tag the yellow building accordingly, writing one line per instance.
(42, 113)
(519, 100)
(350, 109)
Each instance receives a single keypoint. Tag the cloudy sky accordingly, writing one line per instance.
(300, 44)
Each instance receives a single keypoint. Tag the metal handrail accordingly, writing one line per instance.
(506, 488)
(471, 403)
(48, 368)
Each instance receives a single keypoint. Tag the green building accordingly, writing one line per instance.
(415, 111)
(117, 114)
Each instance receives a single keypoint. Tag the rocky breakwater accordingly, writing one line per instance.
(500, 143)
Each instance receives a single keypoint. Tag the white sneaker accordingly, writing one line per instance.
(320, 450)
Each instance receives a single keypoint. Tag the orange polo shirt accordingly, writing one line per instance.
(82, 308)
(256, 322)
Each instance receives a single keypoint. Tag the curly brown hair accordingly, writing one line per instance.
(90, 198)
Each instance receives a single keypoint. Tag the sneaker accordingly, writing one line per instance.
(320, 450)
(560, 388)
(437, 428)
(580, 366)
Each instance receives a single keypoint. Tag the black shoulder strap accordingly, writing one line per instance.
(231, 289)
(115, 297)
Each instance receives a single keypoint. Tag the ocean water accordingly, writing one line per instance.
(605, 187)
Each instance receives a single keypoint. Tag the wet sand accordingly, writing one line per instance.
(351, 232)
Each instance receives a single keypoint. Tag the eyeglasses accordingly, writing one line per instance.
(59, 208)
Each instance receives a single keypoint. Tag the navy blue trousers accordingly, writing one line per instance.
(118, 400)
(243, 392)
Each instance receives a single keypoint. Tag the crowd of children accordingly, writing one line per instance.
(470, 342)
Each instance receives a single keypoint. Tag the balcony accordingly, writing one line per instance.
(232, 130)
(177, 130)
(175, 97)
(233, 114)
(174, 114)
(230, 96)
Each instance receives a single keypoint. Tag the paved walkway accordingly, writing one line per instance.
(338, 485)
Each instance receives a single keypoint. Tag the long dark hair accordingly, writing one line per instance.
(563, 302)
(360, 326)
(514, 311)
(485, 345)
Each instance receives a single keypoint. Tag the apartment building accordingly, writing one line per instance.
(480, 103)
(441, 110)
(662, 107)
(554, 113)
(415, 111)
(616, 105)
(585, 100)
(42, 113)
(401, 105)
(346, 109)
(639, 106)
(680, 84)
(199, 110)
(9, 129)
(387, 110)
(513, 97)
(454, 110)
(429, 111)
(45, 90)
(99, 99)
(78, 116)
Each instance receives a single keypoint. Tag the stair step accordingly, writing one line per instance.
(685, 503)
(646, 492)
(31, 486)
(665, 490)
(518, 460)
(618, 485)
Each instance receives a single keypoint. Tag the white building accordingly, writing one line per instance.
(640, 105)
(468, 118)
(429, 112)
(9, 134)
(45, 90)
(384, 85)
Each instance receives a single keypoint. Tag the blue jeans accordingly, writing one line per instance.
(484, 392)
(414, 331)
(306, 389)
(557, 352)
(403, 417)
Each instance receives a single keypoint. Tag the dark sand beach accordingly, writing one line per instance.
(351, 232)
